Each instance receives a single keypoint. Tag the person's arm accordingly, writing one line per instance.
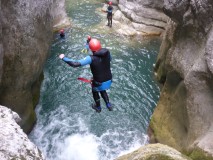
(87, 46)
(76, 63)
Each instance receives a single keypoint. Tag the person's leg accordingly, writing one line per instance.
(108, 24)
(97, 105)
(111, 21)
(104, 95)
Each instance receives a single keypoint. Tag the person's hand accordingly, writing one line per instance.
(61, 56)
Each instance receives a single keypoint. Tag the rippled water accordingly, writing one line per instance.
(67, 127)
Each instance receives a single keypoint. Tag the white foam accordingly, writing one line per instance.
(134, 146)
(65, 138)
(80, 147)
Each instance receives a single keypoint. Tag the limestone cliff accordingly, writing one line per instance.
(60, 18)
(25, 37)
(140, 17)
(14, 142)
(183, 117)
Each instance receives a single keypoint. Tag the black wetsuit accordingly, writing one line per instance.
(100, 65)
(101, 71)
(109, 15)
(62, 35)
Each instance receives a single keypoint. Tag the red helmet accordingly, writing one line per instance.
(110, 3)
(61, 31)
(94, 45)
(89, 38)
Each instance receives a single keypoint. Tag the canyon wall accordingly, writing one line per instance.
(183, 117)
(26, 36)
(26, 31)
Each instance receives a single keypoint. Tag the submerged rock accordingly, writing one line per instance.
(14, 142)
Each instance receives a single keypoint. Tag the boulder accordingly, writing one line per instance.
(154, 152)
(14, 142)
(140, 17)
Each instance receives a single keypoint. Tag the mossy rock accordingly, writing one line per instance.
(154, 152)
(198, 154)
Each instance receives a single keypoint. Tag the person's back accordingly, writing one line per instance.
(62, 34)
(109, 10)
(100, 65)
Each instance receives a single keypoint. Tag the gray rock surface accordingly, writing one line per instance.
(60, 18)
(26, 30)
(14, 142)
(140, 17)
(183, 117)
(26, 27)
(1, 45)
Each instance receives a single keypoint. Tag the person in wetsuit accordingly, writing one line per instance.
(86, 50)
(61, 33)
(100, 67)
(109, 14)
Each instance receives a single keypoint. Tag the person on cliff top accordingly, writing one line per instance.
(99, 63)
(61, 33)
(86, 49)
(109, 14)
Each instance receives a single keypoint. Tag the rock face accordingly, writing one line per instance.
(14, 142)
(140, 17)
(154, 152)
(60, 19)
(25, 37)
(1, 45)
(183, 117)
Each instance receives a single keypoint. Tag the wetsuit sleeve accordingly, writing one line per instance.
(78, 63)
(87, 45)
(87, 60)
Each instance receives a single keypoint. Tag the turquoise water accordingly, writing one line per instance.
(67, 127)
